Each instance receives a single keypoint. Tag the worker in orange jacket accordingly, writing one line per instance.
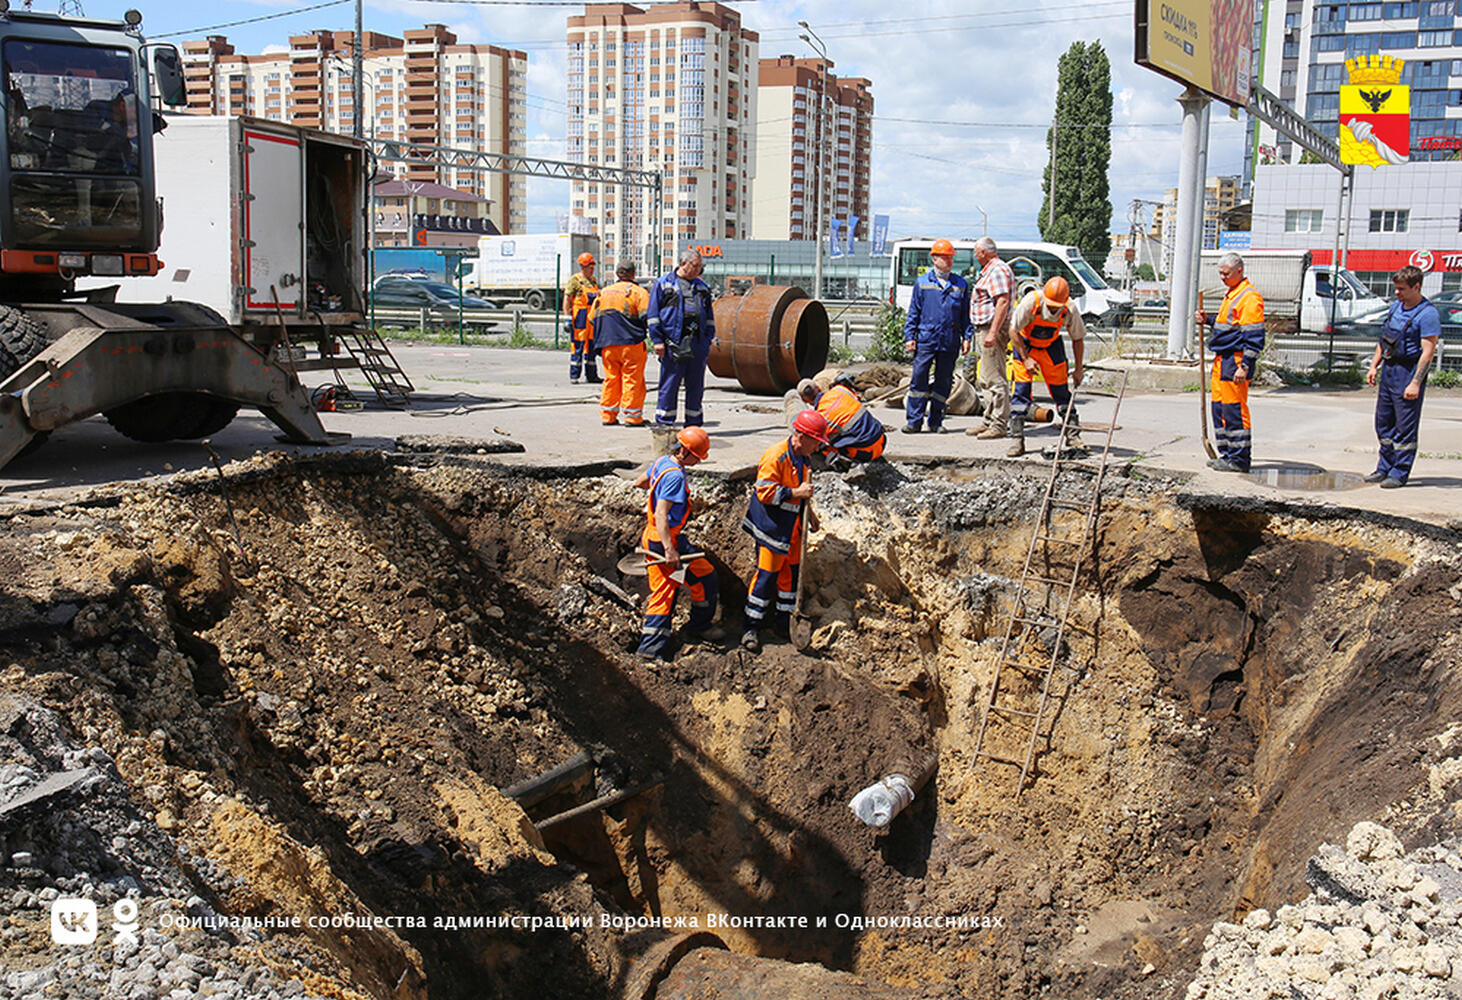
(774, 519)
(853, 433)
(1036, 323)
(618, 320)
(667, 508)
(1236, 340)
(580, 293)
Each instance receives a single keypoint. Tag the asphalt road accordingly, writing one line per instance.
(484, 392)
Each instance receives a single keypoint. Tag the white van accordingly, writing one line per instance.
(1033, 263)
(1298, 294)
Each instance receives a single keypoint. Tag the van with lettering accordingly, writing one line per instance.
(1033, 264)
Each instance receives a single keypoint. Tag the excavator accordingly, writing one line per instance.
(78, 203)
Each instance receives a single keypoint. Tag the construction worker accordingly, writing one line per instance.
(580, 293)
(1409, 338)
(1036, 326)
(618, 321)
(854, 434)
(667, 508)
(682, 325)
(1236, 340)
(937, 331)
(774, 520)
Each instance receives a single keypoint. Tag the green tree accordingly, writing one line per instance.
(1145, 273)
(1083, 140)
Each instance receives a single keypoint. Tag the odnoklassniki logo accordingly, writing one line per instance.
(1375, 113)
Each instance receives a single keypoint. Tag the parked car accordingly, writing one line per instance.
(409, 291)
(1449, 305)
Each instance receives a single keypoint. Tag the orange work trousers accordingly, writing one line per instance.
(624, 384)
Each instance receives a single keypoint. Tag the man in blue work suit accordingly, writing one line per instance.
(1408, 343)
(682, 324)
(937, 332)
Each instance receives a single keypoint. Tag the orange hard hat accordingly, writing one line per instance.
(942, 248)
(1056, 291)
(811, 423)
(585, 259)
(695, 440)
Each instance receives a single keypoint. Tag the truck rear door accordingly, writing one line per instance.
(274, 245)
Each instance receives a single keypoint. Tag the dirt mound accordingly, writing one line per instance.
(315, 719)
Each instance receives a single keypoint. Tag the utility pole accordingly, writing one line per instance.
(1051, 200)
(812, 39)
(357, 90)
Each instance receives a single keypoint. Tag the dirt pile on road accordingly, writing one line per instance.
(313, 719)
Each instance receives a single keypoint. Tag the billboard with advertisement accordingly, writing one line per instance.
(1206, 43)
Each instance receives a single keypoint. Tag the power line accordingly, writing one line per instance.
(254, 20)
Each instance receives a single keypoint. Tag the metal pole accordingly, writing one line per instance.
(357, 94)
(558, 292)
(772, 280)
(1190, 195)
(812, 39)
(1200, 214)
(1051, 196)
(456, 260)
(1335, 279)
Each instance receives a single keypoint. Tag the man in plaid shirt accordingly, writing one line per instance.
(990, 304)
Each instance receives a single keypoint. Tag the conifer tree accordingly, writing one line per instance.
(1083, 153)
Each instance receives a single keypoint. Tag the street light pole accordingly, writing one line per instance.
(984, 221)
(812, 39)
(357, 58)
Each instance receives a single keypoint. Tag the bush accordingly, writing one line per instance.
(888, 336)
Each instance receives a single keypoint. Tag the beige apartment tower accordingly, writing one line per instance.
(424, 88)
(787, 133)
(667, 88)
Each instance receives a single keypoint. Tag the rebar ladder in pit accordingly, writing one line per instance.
(1027, 618)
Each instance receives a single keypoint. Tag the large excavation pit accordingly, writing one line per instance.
(281, 709)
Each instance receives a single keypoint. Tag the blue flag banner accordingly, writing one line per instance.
(834, 245)
(880, 235)
(852, 228)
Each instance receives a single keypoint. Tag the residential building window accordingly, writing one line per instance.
(1394, 10)
(1433, 39)
(1398, 39)
(1365, 12)
(1303, 220)
(1389, 220)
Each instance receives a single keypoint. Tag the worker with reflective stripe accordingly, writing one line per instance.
(774, 520)
(1408, 343)
(682, 324)
(580, 293)
(618, 320)
(667, 508)
(1036, 324)
(1236, 340)
(852, 432)
(936, 332)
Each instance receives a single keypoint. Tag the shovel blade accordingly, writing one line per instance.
(801, 630)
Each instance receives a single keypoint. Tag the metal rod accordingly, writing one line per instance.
(531, 791)
(603, 802)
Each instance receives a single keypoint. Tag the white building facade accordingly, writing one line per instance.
(669, 88)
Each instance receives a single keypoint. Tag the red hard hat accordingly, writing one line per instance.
(942, 248)
(811, 423)
(1057, 291)
(585, 259)
(695, 440)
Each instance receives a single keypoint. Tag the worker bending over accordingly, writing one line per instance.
(1237, 339)
(666, 510)
(853, 434)
(1036, 326)
(618, 320)
(774, 519)
(580, 293)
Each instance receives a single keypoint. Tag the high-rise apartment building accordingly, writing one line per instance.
(1220, 195)
(424, 88)
(790, 174)
(1302, 46)
(668, 88)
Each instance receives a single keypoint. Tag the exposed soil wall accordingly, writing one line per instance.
(316, 717)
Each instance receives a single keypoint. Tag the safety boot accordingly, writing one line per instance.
(1071, 437)
(1017, 437)
(751, 640)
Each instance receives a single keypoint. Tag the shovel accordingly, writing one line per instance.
(634, 564)
(801, 626)
(1203, 387)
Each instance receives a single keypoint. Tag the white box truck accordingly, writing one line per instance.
(1298, 295)
(530, 268)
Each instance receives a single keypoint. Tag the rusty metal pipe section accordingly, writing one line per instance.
(708, 973)
(770, 338)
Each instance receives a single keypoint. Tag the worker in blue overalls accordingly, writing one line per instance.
(937, 332)
(1408, 343)
(682, 324)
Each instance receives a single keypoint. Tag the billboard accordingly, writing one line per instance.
(1205, 43)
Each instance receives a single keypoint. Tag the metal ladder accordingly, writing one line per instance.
(393, 387)
(1028, 618)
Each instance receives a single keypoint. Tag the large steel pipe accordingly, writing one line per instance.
(770, 338)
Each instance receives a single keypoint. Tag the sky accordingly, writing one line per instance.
(961, 100)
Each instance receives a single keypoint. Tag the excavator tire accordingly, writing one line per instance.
(21, 338)
(171, 416)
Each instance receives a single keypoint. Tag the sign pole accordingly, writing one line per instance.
(1189, 217)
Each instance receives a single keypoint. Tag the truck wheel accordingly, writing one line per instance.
(535, 299)
(21, 338)
(171, 416)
